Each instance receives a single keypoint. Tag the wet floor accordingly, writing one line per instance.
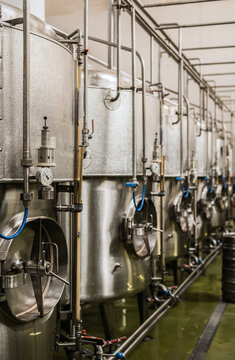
(175, 336)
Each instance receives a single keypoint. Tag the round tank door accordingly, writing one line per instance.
(206, 204)
(140, 232)
(221, 198)
(34, 271)
(182, 212)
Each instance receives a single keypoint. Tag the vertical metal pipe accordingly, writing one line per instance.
(162, 218)
(26, 160)
(207, 132)
(232, 143)
(224, 141)
(200, 109)
(118, 43)
(151, 59)
(110, 33)
(159, 63)
(144, 159)
(76, 257)
(187, 85)
(188, 122)
(180, 99)
(213, 140)
(118, 25)
(195, 218)
(85, 130)
(133, 46)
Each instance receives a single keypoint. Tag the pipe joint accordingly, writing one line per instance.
(26, 162)
(26, 198)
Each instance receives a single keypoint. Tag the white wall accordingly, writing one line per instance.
(37, 7)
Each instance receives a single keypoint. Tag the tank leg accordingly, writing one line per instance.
(142, 305)
(107, 311)
(72, 355)
(175, 271)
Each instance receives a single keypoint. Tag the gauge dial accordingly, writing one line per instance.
(44, 176)
(155, 168)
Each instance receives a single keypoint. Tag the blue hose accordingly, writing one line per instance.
(210, 190)
(185, 194)
(20, 229)
(142, 202)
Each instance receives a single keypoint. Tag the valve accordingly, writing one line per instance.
(46, 160)
(46, 152)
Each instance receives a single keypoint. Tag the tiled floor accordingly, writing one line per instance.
(175, 336)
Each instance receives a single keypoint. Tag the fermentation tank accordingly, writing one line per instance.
(28, 300)
(116, 249)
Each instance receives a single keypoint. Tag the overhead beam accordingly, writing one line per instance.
(178, 3)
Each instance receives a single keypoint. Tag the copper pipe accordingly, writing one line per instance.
(78, 165)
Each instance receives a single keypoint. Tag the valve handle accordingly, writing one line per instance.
(51, 273)
(159, 230)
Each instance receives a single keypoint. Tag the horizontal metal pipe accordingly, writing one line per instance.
(219, 74)
(209, 48)
(223, 86)
(141, 332)
(186, 26)
(216, 63)
(225, 91)
(178, 3)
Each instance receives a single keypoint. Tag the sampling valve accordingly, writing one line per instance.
(46, 160)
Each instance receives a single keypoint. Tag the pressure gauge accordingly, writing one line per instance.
(44, 176)
(154, 167)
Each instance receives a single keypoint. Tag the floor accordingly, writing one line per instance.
(175, 336)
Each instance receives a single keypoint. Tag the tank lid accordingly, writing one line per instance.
(9, 12)
(37, 7)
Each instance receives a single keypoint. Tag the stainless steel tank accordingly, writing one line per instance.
(26, 296)
(115, 257)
